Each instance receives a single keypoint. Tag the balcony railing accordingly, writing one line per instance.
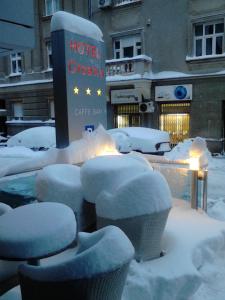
(124, 2)
(128, 66)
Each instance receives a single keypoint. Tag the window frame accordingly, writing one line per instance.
(16, 57)
(125, 42)
(15, 114)
(54, 7)
(48, 45)
(203, 38)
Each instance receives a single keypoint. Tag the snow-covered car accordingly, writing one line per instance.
(145, 140)
(36, 138)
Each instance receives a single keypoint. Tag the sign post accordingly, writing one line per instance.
(78, 77)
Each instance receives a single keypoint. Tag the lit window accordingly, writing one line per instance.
(51, 6)
(209, 39)
(17, 110)
(128, 46)
(15, 61)
(49, 54)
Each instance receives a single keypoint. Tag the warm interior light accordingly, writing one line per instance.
(194, 163)
(108, 151)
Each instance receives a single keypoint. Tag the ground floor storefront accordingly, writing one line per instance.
(184, 107)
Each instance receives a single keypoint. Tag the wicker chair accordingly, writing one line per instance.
(8, 269)
(145, 232)
(97, 271)
(140, 208)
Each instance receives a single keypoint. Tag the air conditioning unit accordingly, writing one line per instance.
(173, 92)
(146, 107)
(104, 3)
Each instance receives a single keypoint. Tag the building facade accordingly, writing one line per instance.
(164, 68)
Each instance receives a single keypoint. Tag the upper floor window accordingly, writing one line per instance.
(51, 6)
(49, 54)
(128, 46)
(15, 61)
(209, 39)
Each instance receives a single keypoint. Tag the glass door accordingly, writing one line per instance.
(175, 119)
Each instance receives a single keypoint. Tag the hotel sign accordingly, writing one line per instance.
(125, 96)
(78, 77)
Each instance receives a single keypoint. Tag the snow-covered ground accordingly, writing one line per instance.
(193, 266)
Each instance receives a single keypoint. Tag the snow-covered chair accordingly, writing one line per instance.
(140, 208)
(97, 271)
(61, 183)
(8, 269)
(107, 173)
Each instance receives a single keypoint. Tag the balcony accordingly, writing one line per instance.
(140, 65)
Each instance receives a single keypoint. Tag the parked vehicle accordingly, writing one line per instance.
(145, 140)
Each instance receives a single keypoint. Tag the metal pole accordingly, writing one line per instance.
(205, 188)
(194, 190)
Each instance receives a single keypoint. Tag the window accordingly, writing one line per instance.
(51, 6)
(209, 39)
(15, 61)
(49, 54)
(52, 109)
(17, 110)
(128, 46)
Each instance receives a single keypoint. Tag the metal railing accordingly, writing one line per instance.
(128, 66)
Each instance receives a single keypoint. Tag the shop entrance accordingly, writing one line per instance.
(175, 119)
(126, 115)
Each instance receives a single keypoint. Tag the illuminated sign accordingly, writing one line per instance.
(78, 78)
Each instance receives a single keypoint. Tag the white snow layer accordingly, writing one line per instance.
(60, 183)
(36, 137)
(62, 20)
(107, 173)
(146, 193)
(190, 148)
(92, 144)
(99, 252)
(192, 242)
(33, 231)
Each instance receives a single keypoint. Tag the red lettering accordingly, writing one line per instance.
(72, 66)
(80, 48)
(89, 71)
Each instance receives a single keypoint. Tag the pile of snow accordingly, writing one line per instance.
(99, 252)
(37, 137)
(25, 236)
(194, 245)
(62, 20)
(146, 193)
(107, 173)
(196, 148)
(17, 152)
(60, 183)
(95, 143)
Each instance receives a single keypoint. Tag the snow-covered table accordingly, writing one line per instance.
(35, 231)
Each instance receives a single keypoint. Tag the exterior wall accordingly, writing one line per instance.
(35, 98)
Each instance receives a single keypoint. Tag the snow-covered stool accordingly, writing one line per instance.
(8, 269)
(61, 183)
(96, 271)
(107, 173)
(139, 207)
